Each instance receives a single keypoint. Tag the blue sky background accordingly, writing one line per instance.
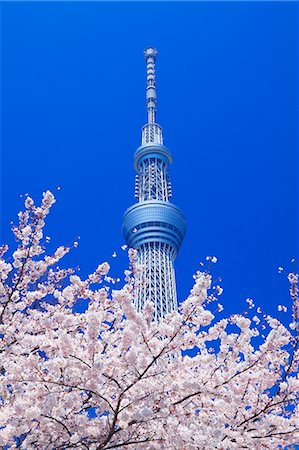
(73, 104)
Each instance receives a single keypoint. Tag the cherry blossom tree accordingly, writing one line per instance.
(114, 378)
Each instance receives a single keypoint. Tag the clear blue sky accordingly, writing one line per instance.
(73, 79)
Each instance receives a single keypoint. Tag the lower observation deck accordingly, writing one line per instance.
(153, 221)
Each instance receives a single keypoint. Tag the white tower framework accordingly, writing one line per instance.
(153, 225)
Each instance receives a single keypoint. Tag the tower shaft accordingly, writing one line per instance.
(157, 281)
(153, 182)
(153, 225)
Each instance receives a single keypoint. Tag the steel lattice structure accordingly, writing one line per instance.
(153, 225)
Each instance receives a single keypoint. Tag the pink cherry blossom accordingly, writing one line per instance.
(112, 377)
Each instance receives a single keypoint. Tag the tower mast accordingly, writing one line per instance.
(151, 98)
(153, 225)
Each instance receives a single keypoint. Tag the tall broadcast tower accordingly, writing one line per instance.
(154, 226)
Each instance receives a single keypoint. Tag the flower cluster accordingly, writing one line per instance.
(111, 377)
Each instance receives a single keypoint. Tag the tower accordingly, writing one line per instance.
(154, 226)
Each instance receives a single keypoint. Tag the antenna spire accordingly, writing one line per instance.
(151, 98)
(151, 132)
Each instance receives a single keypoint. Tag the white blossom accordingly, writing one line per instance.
(213, 259)
(219, 290)
(282, 308)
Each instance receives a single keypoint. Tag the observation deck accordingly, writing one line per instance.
(151, 150)
(154, 221)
